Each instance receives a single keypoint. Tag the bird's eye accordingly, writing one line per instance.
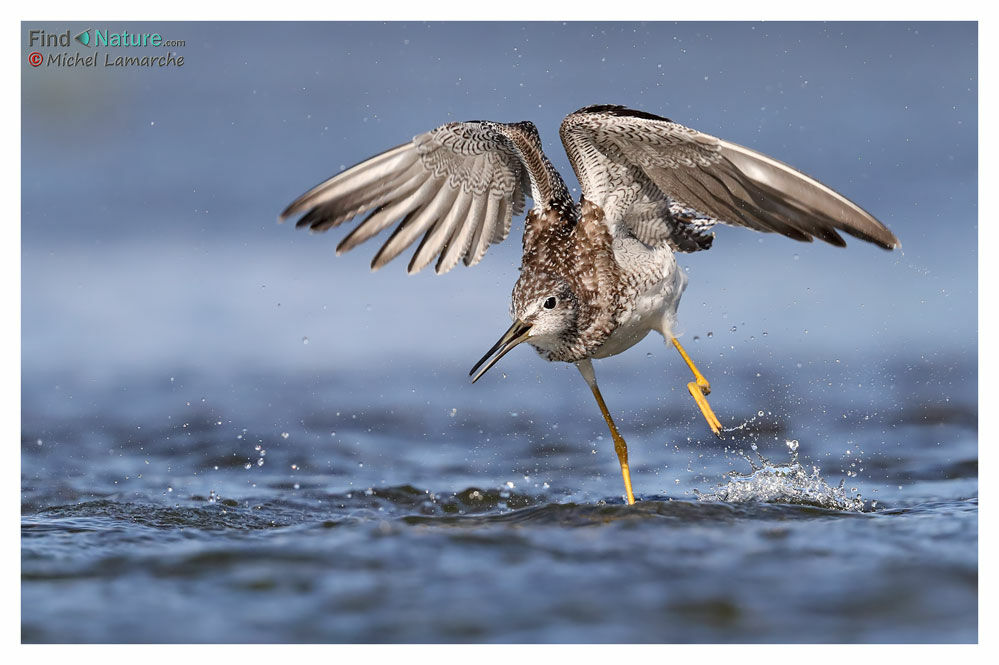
(550, 303)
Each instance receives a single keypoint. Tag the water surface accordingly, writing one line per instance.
(273, 509)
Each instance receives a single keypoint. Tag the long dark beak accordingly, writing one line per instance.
(517, 333)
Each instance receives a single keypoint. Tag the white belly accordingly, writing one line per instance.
(655, 307)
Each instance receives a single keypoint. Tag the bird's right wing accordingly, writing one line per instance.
(457, 186)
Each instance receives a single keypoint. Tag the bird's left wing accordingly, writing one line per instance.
(662, 180)
(457, 186)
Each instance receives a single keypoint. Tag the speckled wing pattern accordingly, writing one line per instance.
(457, 187)
(663, 181)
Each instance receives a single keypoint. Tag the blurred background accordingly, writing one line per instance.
(150, 196)
(205, 391)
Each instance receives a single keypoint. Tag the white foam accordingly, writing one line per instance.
(784, 483)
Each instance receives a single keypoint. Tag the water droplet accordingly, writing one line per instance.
(305, 340)
(284, 435)
(711, 334)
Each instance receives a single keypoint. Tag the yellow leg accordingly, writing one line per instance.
(698, 388)
(620, 447)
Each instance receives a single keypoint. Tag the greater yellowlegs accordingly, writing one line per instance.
(597, 276)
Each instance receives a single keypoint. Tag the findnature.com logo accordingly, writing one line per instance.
(93, 38)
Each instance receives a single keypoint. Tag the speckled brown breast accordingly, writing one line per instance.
(580, 252)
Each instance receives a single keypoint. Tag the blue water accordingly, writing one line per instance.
(229, 435)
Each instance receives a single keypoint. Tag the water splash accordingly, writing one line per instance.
(783, 483)
(745, 423)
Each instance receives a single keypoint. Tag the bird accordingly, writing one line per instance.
(596, 275)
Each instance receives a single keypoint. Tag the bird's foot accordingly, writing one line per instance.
(698, 389)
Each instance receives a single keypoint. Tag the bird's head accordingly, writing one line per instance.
(543, 309)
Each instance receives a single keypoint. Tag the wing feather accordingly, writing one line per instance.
(621, 155)
(334, 212)
(383, 217)
(354, 178)
(484, 232)
(503, 219)
(438, 236)
(414, 225)
(458, 244)
(457, 187)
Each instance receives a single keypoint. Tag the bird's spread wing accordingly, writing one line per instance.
(457, 187)
(662, 180)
